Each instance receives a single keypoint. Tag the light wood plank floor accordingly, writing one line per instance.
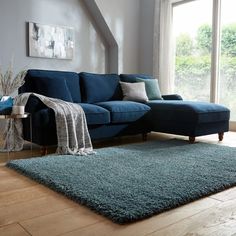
(28, 208)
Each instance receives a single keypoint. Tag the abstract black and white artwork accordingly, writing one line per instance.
(50, 41)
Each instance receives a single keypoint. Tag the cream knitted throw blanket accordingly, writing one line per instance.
(72, 131)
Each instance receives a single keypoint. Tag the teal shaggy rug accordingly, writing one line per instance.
(133, 182)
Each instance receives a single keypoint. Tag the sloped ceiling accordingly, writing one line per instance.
(104, 30)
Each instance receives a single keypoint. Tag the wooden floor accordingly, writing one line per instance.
(28, 208)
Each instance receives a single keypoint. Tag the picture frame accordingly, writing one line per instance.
(49, 41)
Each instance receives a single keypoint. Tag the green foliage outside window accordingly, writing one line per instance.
(184, 45)
(203, 39)
(228, 40)
(202, 43)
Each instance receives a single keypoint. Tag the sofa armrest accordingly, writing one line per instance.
(172, 97)
(44, 117)
(41, 114)
(34, 104)
(43, 125)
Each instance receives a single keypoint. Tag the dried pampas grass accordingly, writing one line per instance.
(8, 83)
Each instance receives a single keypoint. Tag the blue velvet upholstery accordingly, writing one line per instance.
(53, 87)
(43, 122)
(119, 129)
(44, 126)
(108, 116)
(172, 97)
(188, 112)
(95, 115)
(125, 111)
(44, 117)
(189, 129)
(100, 87)
(72, 81)
(131, 78)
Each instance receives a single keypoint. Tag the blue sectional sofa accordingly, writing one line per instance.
(108, 115)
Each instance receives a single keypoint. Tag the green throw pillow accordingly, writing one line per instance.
(152, 88)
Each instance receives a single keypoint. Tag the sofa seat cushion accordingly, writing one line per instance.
(188, 111)
(95, 115)
(125, 111)
(100, 87)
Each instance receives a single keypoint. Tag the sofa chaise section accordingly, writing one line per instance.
(189, 118)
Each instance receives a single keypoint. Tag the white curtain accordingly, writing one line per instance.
(163, 56)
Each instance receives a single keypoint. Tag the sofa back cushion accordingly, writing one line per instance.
(125, 111)
(65, 85)
(100, 87)
(53, 87)
(131, 78)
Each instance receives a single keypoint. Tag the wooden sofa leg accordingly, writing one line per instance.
(144, 136)
(191, 139)
(221, 136)
(44, 151)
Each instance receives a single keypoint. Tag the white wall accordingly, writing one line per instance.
(130, 21)
(122, 16)
(146, 36)
(90, 53)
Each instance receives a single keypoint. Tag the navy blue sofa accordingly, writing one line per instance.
(108, 115)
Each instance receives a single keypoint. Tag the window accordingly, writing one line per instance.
(192, 35)
(228, 57)
(205, 60)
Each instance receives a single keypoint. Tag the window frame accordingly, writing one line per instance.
(216, 50)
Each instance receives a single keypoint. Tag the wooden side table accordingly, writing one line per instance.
(15, 117)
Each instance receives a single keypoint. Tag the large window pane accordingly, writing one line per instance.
(228, 56)
(192, 29)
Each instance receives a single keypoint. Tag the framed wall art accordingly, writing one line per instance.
(51, 41)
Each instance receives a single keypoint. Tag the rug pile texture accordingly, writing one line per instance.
(133, 182)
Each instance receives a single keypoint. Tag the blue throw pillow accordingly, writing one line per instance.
(100, 87)
(6, 106)
(53, 87)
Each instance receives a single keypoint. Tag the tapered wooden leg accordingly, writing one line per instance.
(144, 136)
(221, 136)
(191, 139)
(44, 151)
